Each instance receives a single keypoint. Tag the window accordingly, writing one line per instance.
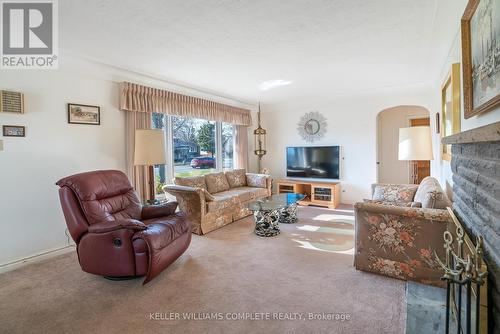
(194, 147)
(227, 138)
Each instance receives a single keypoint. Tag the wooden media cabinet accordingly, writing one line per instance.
(325, 194)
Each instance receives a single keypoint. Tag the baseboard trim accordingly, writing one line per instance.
(4, 267)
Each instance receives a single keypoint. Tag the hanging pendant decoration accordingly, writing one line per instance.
(260, 144)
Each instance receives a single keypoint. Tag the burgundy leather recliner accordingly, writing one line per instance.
(115, 235)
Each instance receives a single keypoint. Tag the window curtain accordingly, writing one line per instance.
(141, 101)
(140, 98)
(139, 175)
(240, 147)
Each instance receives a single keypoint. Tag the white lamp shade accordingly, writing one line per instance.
(149, 147)
(415, 143)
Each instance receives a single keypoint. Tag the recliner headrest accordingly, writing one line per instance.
(97, 185)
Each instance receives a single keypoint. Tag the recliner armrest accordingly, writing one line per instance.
(108, 226)
(155, 211)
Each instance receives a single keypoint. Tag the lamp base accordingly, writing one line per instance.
(413, 172)
(151, 172)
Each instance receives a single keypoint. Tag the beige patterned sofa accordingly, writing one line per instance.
(217, 199)
(400, 230)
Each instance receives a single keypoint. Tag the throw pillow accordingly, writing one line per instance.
(431, 194)
(394, 193)
(216, 182)
(236, 178)
(257, 180)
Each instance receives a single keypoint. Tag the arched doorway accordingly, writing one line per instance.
(389, 121)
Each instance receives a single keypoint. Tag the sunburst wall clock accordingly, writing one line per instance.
(312, 126)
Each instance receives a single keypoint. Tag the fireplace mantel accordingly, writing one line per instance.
(490, 132)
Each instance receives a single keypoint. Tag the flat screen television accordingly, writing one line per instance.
(322, 162)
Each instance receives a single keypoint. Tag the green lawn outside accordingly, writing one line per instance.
(195, 172)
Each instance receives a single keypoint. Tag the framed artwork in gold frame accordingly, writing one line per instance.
(480, 45)
(450, 108)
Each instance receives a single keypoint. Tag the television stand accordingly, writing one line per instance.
(326, 194)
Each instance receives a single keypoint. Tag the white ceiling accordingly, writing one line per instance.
(230, 48)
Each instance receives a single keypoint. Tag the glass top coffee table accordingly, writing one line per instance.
(269, 211)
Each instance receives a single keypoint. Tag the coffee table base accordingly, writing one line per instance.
(288, 214)
(266, 222)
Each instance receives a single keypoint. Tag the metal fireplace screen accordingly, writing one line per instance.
(465, 276)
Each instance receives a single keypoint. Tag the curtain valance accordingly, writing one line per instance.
(140, 98)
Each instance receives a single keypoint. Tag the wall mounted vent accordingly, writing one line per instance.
(11, 102)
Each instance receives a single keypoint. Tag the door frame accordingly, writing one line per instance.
(409, 118)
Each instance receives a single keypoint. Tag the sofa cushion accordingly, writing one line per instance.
(216, 182)
(431, 195)
(195, 182)
(257, 192)
(236, 178)
(235, 196)
(257, 180)
(243, 194)
(394, 193)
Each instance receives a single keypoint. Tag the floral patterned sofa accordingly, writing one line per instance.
(217, 199)
(399, 231)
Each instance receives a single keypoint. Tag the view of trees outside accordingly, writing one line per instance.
(194, 145)
(206, 138)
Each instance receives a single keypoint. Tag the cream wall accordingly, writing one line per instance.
(351, 124)
(389, 121)
(30, 215)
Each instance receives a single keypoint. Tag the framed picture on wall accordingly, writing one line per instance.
(480, 53)
(13, 131)
(450, 108)
(84, 114)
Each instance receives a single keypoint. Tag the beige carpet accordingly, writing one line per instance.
(306, 269)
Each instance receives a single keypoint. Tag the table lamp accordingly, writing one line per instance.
(415, 143)
(149, 151)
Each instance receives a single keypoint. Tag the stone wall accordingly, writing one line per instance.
(476, 202)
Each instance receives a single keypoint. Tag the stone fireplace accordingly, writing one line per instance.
(476, 199)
